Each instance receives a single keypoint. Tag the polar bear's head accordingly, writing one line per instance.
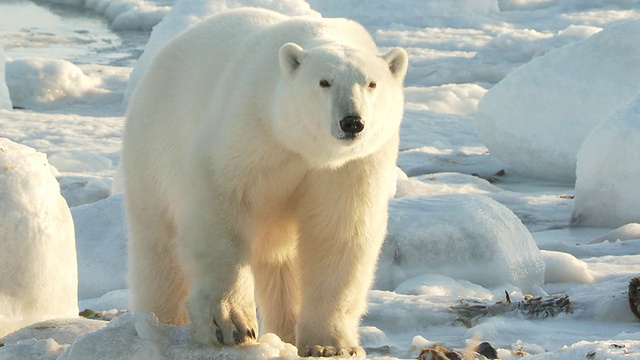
(335, 103)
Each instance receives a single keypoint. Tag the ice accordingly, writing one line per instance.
(32, 349)
(80, 190)
(458, 51)
(5, 99)
(383, 12)
(510, 5)
(623, 233)
(38, 276)
(461, 99)
(62, 331)
(101, 235)
(563, 268)
(466, 237)
(140, 336)
(123, 14)
(39, 80)
(536, 119)
(444, 183)
(608, 171)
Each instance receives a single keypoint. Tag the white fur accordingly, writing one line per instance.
(236, 171)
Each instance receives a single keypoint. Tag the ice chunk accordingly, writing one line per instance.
(466, 237)
(140, 336)
(5, 99)
(38, 80)
(608, 184)
(565, 268)
(63, 331)
(537, 117)
(623, 233)
(102, 247)
(38, 272)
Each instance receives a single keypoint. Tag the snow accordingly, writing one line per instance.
(101, 235)
(470, 238)
(608, 171)
(536, 118)
(5, 99)
(38, 275)
(37, 80)
(508, 59)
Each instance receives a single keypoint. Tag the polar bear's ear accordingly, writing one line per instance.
(398, 62)
(290, 57)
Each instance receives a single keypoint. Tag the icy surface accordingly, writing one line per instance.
(5, 99)
(458, 51)
(139, 336)
(39, 80)
(101, 235)
(467, 237)
(38, 272)
(536, 119)
(608, 171)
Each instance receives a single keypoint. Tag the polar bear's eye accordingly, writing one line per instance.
(324, 83)
(372, 85)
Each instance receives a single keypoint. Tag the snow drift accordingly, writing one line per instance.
(537, 117)
(608, 171)
(466, 237)
(38, 271)
(38, 80)
(5, 100)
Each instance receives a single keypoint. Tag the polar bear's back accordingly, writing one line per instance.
(202, 79)
(175, 94)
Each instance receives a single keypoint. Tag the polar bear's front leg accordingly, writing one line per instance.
(220, 299)
(343, 217)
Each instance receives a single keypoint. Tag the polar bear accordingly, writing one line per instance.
(258, 153)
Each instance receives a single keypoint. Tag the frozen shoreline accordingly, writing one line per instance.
(458, 51)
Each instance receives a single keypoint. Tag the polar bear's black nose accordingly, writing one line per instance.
(352, 124)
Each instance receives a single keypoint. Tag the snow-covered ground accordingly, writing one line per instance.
(483, 205)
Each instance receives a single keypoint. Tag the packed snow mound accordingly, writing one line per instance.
(408, 12)
(140, 336)
(442, 184)
(101, 235)
(186, 14)
(80, 190)
(5, 99)
(537, 117)
(38, 80)
(124, 14)
(38, 272)
(623, 233)
(565, 268)
(466, 237)
(511, 5)
(608, 171)
(63, 332)
(461, 99)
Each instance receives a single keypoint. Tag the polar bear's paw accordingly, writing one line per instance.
(224, 324)
(329, 351)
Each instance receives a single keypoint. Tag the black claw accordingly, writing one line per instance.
(236, 337)
(219, 336)
(253, 334)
